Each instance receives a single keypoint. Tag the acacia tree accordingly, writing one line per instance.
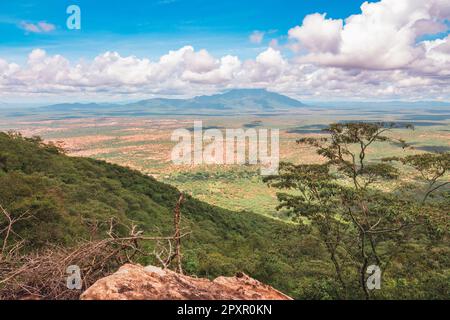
(432, 169)
(342, 202)
(316, 201)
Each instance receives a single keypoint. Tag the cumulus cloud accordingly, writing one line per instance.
(376, 54)
(318, 34)
(40, 27)
(383, 36)
(189, 72)
(180, 71)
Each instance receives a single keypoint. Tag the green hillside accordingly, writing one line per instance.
(66, 193)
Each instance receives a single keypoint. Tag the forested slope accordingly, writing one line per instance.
(68, 195)
(73, 199)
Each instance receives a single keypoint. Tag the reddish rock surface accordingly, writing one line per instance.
(133, 282)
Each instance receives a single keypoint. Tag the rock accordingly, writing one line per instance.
(134, 282)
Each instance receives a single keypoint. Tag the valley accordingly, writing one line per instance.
(222, 150)
(143, 142)
(120, 168)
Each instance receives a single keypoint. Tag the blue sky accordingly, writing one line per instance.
(307, 49)
(151, 28)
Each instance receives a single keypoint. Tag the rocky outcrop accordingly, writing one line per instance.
(133, 282)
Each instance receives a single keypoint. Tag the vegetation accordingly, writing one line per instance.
(72, 200)
(68, 201)
(358, 223)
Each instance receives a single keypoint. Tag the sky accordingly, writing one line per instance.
(307, 49)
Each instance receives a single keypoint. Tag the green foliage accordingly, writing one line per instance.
(74, 198)
(431, 167)
(358, 223)
(68, 196)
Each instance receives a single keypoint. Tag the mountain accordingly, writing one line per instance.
(238, 101)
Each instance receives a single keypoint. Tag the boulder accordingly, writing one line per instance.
(134, 282)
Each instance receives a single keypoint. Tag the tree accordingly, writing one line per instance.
(341, 201)
(431, 167)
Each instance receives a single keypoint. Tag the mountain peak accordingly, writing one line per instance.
(249, 91)
(259, 92)
(248, 99)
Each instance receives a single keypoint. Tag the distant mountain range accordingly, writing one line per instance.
(259, 102)
(234, 101)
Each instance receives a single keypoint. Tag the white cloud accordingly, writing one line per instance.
(40, 27)
(376, 54)
(271, 58)
(257, 37)
(382, 37)
(318, 34)
(223, 72)
(189, 72)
